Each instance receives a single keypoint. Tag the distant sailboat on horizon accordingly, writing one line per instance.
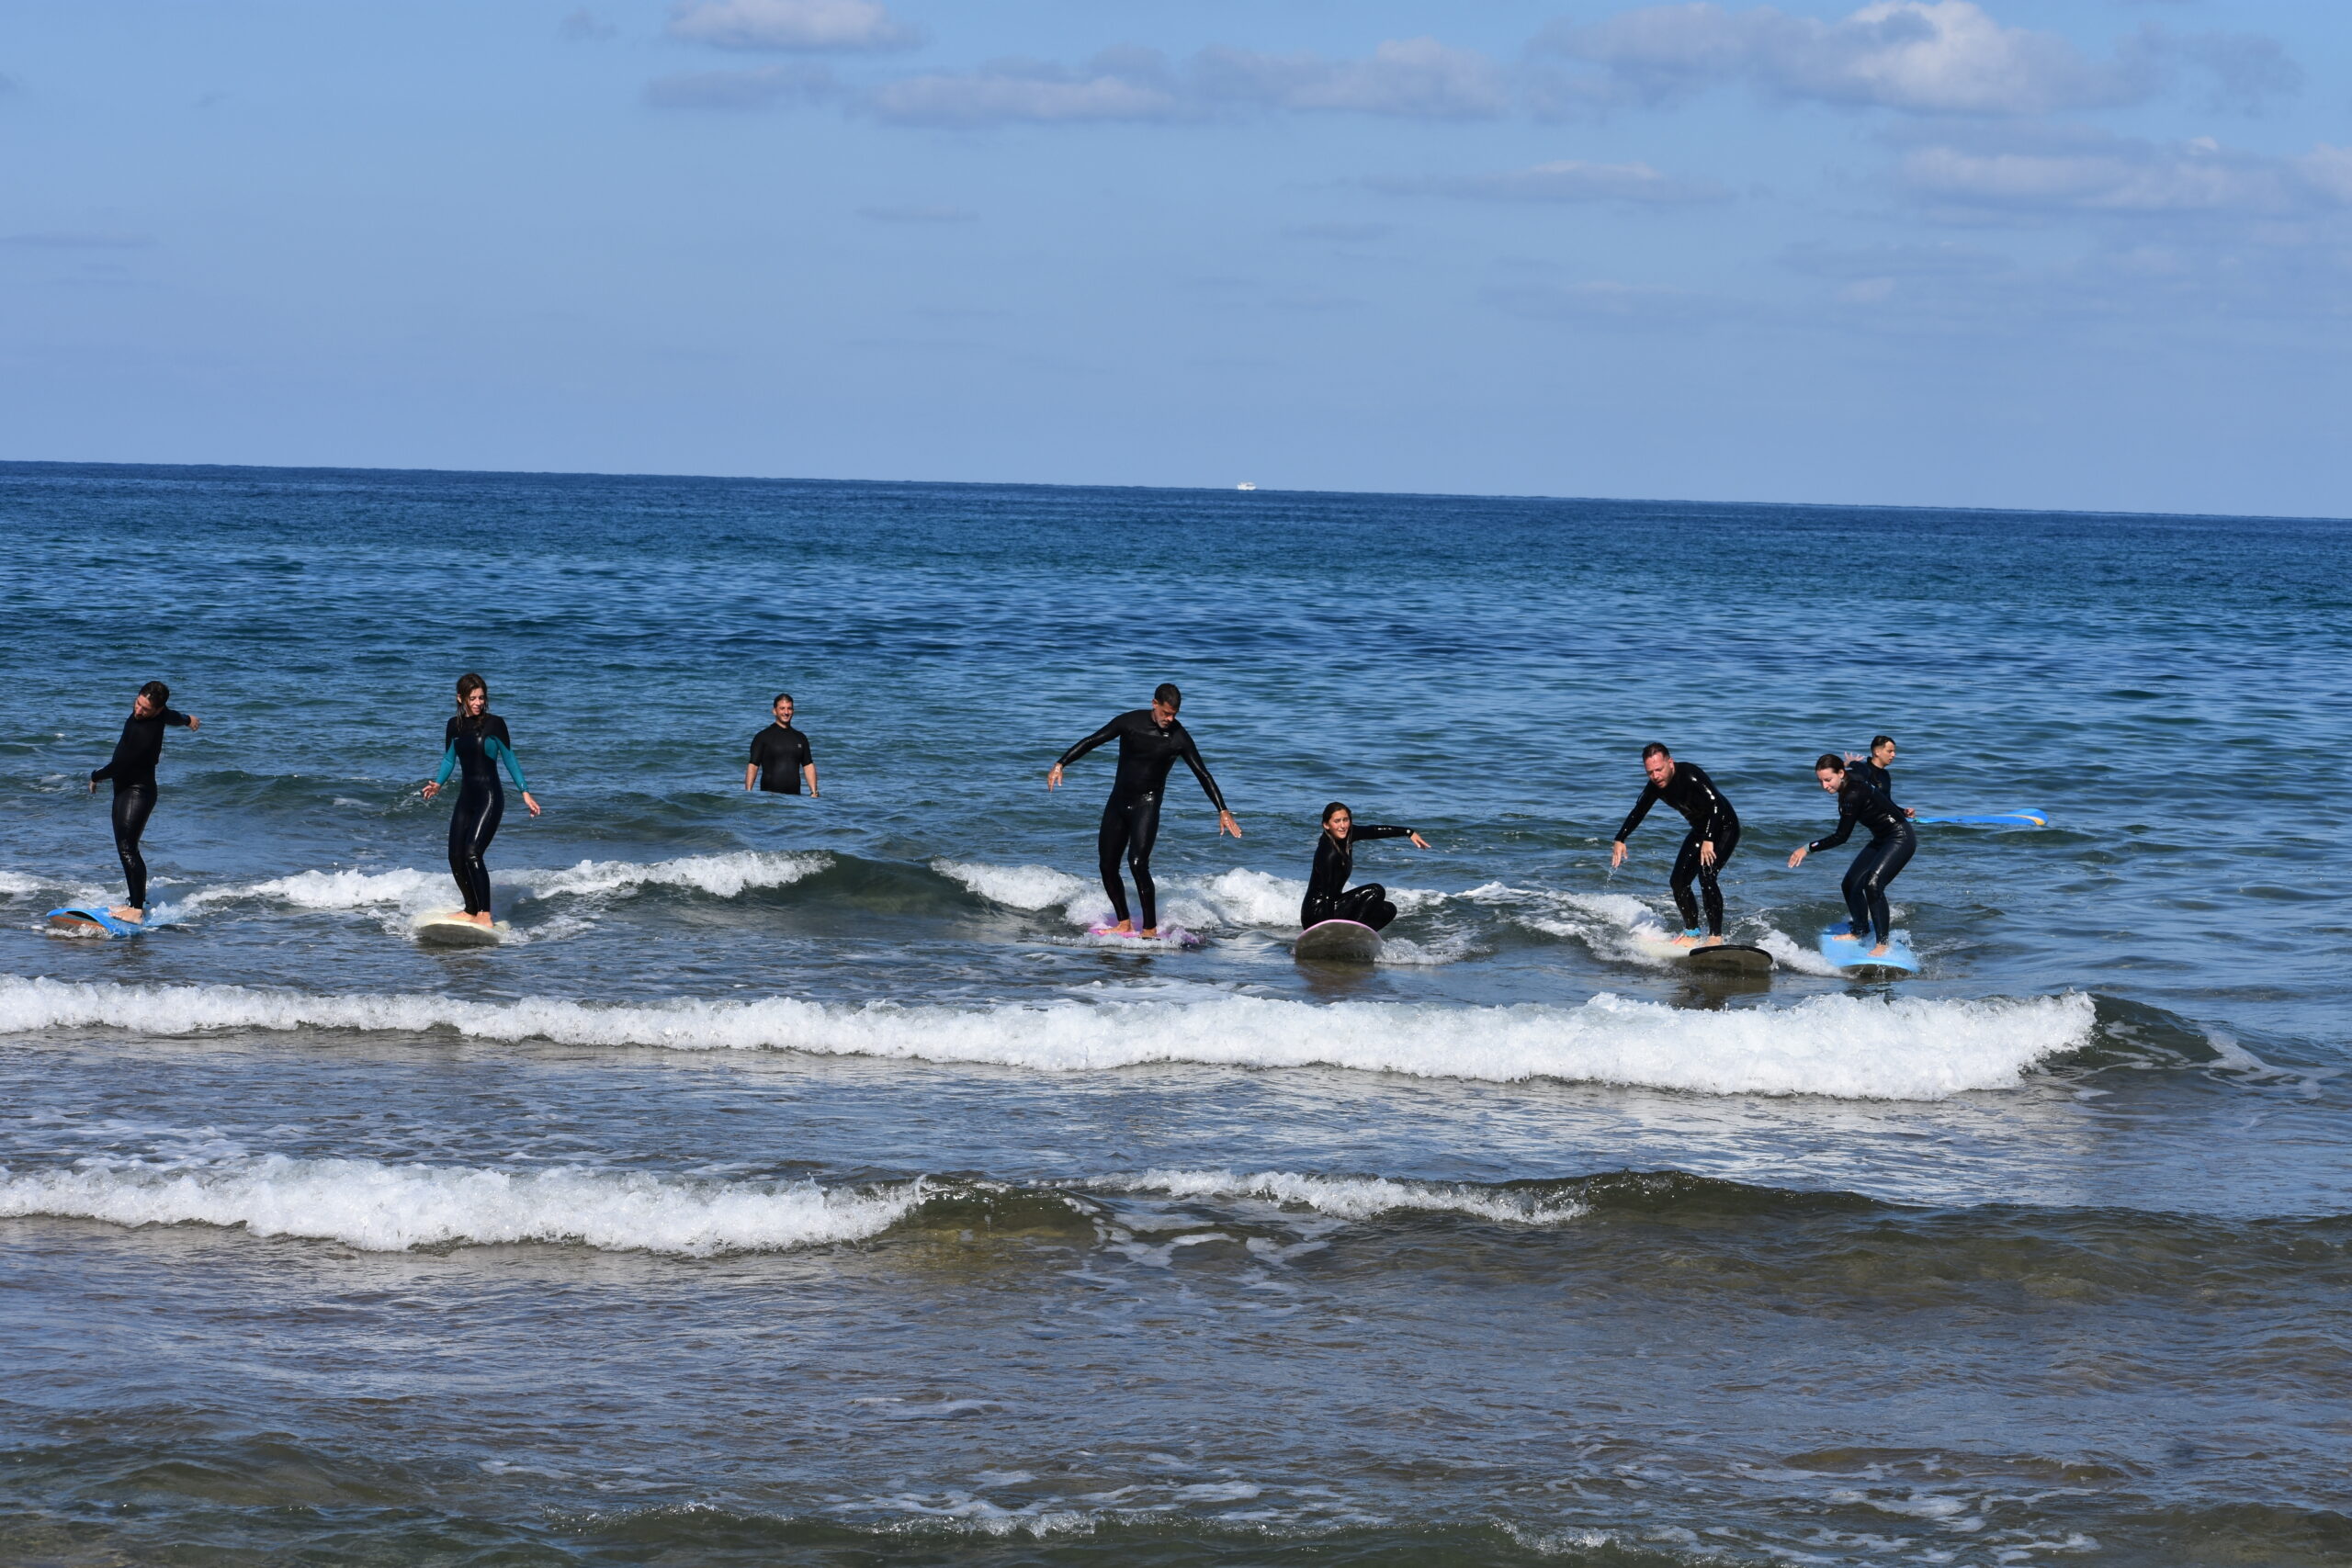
(1246, 484)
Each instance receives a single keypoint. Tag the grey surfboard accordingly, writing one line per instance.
(1337, 941)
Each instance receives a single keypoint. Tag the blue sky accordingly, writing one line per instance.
(2073, 254)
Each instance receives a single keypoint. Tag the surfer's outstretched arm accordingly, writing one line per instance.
(1191, 755)
(1054, 774)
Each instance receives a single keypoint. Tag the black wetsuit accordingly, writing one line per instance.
(477, 746)
(1328, 896)
(1131, 817)
(133, 769)
(780, 751)
(1690, 792)
(1878, 778)
(1893, 839)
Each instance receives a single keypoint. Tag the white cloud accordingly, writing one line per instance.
(1416, 78)
(1010, 91)
(791, 25)
(2120, 176)
(1570, 180)
(1932, 56)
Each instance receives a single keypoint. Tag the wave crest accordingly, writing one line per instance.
(1843, 1046)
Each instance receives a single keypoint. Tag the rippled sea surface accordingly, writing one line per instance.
(801, 1181)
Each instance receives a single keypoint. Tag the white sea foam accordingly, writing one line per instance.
(406, 888)
(16, 885)
(1237, 897)
(390, 1208)
(1352, 1198)
(1853, 1047)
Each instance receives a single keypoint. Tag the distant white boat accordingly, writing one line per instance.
(1246, 484)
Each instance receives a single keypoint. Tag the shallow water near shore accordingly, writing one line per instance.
(802, 1182)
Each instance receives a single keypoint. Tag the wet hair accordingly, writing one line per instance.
(1829, 762)
(1655, 748)
(157, 692)
(468, 684)
(784, 697)
(1166, 691)
(1333, 810)
(1879, 740)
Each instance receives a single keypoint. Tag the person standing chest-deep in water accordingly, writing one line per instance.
(1328, 896)
(780, 756)
(1715, 834)
(1151, 740)
(1876, 769)
(133, 770)
(477, 745)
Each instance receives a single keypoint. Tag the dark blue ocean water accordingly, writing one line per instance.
(801, 1181)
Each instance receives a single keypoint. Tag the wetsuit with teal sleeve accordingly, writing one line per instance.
(1713, 821)
(1131, 817)
(1893, 841)
(1328, 896)
(133, 769)
(477, 748)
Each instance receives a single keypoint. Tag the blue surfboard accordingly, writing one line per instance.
(81, 920)
(2023, 817)
(1853, 955)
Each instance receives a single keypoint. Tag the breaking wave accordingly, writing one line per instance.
(1845, 1047)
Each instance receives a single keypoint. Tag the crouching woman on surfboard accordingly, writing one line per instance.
(478, 745)
(1892, 841)
(1328, 896)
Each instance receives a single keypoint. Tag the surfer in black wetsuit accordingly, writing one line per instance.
(1892, 841)
(133, 769)
(1328, 896)
(478, 745)
(1874, 768)
(1151, 740)
(1715, 834)
(780, 755)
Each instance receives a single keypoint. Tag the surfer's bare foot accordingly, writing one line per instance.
(1151, 934)
(1878, 952)
(482, 920)
(128, 915)
(1684, 940)
(1708, 941)
(1125, 927)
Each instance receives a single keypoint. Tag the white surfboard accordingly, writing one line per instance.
(1337, 941)
(449, 928)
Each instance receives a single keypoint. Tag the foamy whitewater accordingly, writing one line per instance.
(803, 1179)
(1851, 1047)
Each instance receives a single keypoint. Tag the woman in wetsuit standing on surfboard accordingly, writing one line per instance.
(478, 745)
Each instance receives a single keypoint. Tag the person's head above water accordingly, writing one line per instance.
(153, 698)
(474, 695)
(784, 707)
(1657, 761)
(1338, 819)
(1882, 750)
(1831, 769)
(1165, 700)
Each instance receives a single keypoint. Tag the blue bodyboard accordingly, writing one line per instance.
(77, 920)
(2023, 817)
(1854, 957)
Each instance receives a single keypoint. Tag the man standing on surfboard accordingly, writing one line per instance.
(1151, 740)
(1715, 834)
(133, 769)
